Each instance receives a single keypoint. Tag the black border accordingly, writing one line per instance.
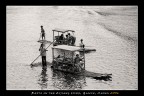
(65, 3)
(71, 2)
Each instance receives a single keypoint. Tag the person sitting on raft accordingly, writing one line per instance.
(61, 39)
(71, 39)
(66, 40)
(59, 58)
(77, 61)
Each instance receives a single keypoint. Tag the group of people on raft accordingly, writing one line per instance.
(78, 61)
(70, 40)
(67, 40)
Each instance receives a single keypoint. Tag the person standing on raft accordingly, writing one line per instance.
(43, 54)
(42, 32)
(81, 44)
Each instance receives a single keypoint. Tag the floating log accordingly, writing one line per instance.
(99, 76)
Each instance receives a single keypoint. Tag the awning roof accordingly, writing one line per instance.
(68, 48)
(62, 30)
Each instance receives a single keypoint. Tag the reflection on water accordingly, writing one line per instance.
(63, 80)
(43, 78)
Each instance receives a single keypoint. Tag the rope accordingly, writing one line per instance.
(41, 53)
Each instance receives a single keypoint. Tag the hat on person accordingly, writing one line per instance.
(81, 39)
(41, 26)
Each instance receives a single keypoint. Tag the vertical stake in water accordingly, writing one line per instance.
(84, 57)
(53, 37)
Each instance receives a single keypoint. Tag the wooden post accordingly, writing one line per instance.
(63, 60)
(53, 53)
(53, 37)
(73, 61)
(84, 58)
(58, 37)
(64, 53)
(72, 57)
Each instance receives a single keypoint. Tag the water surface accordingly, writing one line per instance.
(112, 30)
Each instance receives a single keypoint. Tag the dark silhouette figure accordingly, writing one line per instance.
(61, 39)
(43, 33)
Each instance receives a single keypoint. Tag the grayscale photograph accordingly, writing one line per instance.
(72, 47)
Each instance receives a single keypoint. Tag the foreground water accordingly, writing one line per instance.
(111, 30)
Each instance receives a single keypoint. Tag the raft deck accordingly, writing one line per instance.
(44, 41)
(66, 47)
(88, 49)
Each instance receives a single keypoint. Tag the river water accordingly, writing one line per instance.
(111, 30)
